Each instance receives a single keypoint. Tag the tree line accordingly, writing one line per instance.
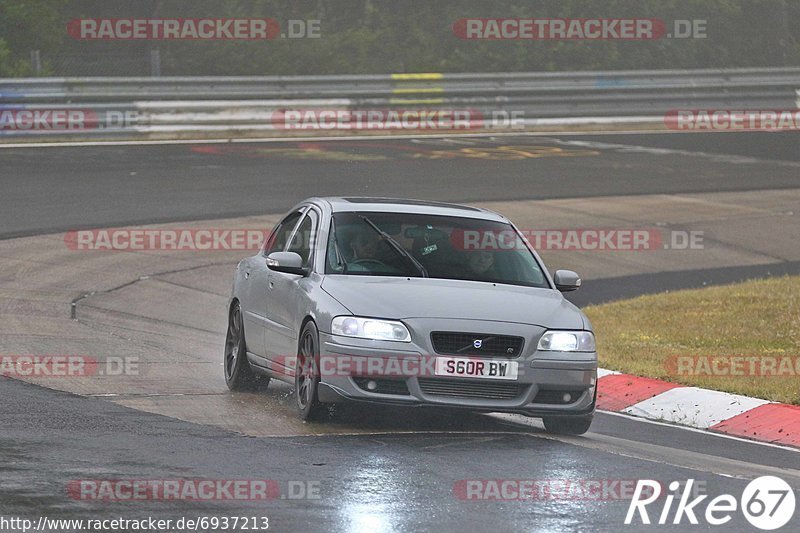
(383, 36)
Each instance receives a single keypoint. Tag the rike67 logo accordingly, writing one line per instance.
(768, 503)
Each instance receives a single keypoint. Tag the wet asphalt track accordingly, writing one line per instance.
(385, 482)
(57, 189)
(390, 481)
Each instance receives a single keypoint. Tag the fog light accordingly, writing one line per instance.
(567, 397)
(372, 385)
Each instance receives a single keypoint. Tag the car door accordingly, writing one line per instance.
(254, 297)
(284, 293)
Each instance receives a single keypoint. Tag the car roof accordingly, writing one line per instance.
(406, 205)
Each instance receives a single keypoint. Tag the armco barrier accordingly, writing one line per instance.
(235, 106)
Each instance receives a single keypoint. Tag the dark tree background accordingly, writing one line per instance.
(382, 36)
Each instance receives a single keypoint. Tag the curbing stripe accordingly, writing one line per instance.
(620, 391)
(703, 409)
(691, 406)
(774, 422)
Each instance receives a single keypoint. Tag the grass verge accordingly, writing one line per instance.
(742, 338)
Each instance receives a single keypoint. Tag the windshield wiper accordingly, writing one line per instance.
(396, 246)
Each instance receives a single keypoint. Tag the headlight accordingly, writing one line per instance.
(370, 328)
(567, 341)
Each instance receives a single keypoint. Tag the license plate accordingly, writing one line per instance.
(476, 368)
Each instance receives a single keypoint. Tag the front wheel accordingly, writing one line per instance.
(306, 374)
(238, 374)
(568, 425)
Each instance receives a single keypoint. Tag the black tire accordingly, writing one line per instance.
(568, 425)
(306, 375)
(238, 374)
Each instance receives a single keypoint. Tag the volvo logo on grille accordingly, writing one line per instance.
(477, 343)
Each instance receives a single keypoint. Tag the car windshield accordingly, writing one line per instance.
(419, 245)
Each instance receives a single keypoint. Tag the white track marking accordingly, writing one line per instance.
(342, 138)
(691, 406)
(602, 372)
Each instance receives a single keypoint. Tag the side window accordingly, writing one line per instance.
(279, 236)
(304, 237)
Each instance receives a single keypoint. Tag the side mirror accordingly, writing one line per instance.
(286, 262)
(566, 280)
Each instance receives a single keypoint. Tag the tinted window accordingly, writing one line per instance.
(277, 240)
(437, 246)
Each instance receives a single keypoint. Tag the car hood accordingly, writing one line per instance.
(392, 297)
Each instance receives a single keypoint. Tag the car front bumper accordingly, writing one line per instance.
(548, 383)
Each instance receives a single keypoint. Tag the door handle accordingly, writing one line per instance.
(271, 284)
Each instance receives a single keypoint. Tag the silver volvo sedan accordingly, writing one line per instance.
(412, 303)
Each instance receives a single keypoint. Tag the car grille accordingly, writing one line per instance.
(453, 343)
(460, 388)
(384, 386)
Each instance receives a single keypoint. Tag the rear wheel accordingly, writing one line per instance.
(568, 425)
(306, 375)
(238, 374)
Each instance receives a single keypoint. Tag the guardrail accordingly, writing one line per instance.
(269, 105)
